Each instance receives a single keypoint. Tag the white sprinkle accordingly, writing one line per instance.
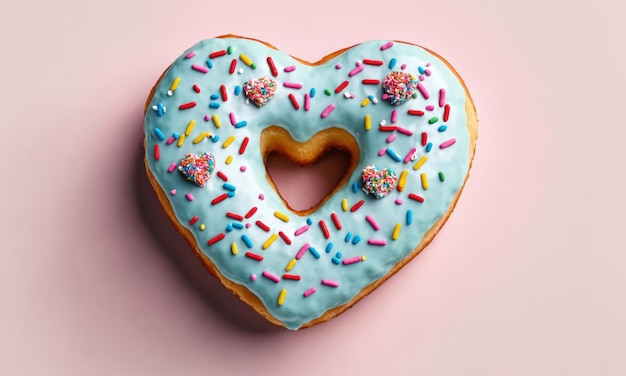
(382, 122)
(375, 100)
(240, 71)
(170, 93)
(154, 108)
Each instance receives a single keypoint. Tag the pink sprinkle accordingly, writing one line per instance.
(292, 85)
(233, 121)
(328, 110)
(253, 277)
(338, 66)
(404, 131)
(372, 222)
(403, 66)
(421, 77)
(171, 140)
(248, 225)
(427, 72)
(378, 242)
(307, 102)
(271, 276)
(261, 196)
(172, 167)
(207, 117)
(428, 64)
(309, 292)
(382, 152)
(173, 192)
(442, 97)
(423, 90)
(391, 138)
(189, 196)
(359, 68)
(200, 68)
(352, 260)
(289, 69)
(394, 116)
(301, 230)
(430, 107)
(450, 142)
(190, 55)
(302, 251)
(386, 46)
(243, 168)
(398, 201)
(407, 159)
(330, 282)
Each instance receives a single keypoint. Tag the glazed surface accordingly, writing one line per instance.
(330, 269)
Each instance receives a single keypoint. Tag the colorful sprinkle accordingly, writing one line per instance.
(399, 86)
(378, 182)
(260, 91)
(197, 168)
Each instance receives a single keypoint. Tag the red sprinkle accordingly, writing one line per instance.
(233, 66)
(294, 101)
(185, 106)
(270, 62)
(416, 112)
(263, 226)
(336, 221)
(223, 92)
(157, 152)
(242, 148)
(324, 229)
(196, 88)
(222, 176)
(446, 112)
(387, 128)
(415, 197)
(219, 199)
(369, 81)
(372, 62)
(251, 212)
(342, 86)
(254, 256)
(284, 237)
(234, 216)
(216, 238)
(357, 206)
(293, 277)
(193, 220)
(424, 138)
(215, 54)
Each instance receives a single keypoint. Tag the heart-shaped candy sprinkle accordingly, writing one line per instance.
(197, 168)
(260, 91)
(378, 182)
(399, 86)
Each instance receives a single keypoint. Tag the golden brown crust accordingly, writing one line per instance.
(332, 138)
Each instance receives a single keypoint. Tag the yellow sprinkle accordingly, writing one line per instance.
(190, 126)
(368, 122)
(202, 227)
(281, 216)
(363, 258)
(181, 139)
(246, 60)
(396, 232)
(402, 181)
(420, 162)
(269, 241)
(291, 264)
(200, 137)
(365, 102)
(233, 248)
(216, 121)
(175, 84)
(228, 141)
(424, 181)
(281, 297)
(344, 204)
(229, 159)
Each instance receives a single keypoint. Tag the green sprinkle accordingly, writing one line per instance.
(229, 50)
(328, 92)
(433, 120)
(442, 176)
(253, 66)
(415, 95)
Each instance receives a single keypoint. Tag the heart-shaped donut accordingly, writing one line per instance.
(399, 110)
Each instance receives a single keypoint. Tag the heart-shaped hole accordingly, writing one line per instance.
(306, 174)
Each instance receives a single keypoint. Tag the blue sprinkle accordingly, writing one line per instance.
(229, 187)
(215, 96)
(355, 187)
(214, 105)
(312, 92)
(241, 124)
(409, 217)
(209, 63)
(329, 247)
(336, 261)
(176, 135)
(338, 254)
(159, 134)
(356, 239)
(348, 237)
(309, 221)
(421, 70)
(442, 128)
(237, 90)
(246, 240)
(314, 252)
(160, 109)
(230, 194)
(395, 156)
(216, 138)
(237, 225)
(392, 62)
(229, 228)
(370, 97)
(429, 146)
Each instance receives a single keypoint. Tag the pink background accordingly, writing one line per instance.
(527, 277)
